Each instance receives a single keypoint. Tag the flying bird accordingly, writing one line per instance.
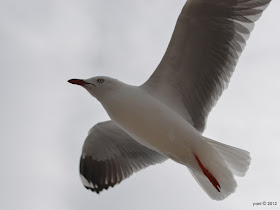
(165, 117)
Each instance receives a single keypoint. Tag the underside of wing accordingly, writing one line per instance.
(110, 155)
(204, 49)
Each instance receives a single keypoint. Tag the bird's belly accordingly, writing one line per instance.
(156, 127)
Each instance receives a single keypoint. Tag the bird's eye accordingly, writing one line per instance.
(100, 80)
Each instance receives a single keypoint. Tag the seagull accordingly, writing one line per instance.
(165, 117)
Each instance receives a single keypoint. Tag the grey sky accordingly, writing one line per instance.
(44, 120)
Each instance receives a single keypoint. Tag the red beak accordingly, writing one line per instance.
(77, 82)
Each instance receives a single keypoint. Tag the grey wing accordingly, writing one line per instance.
(110, 155)
(207, 41)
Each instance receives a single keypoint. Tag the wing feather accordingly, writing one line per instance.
(110, 155)
(206, 44)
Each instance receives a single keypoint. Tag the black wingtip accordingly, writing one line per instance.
(97, 176)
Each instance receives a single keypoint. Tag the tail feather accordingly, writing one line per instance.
(216, 170)
(216, 179)
(237, 159)
(226, 187)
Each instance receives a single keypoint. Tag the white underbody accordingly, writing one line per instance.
(155, 125)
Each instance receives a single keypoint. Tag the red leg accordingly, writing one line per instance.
(211, 178)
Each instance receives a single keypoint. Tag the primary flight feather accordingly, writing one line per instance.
(165, 117)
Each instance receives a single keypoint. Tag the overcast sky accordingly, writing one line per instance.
(44, 119)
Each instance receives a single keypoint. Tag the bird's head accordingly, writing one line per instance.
(97, 86)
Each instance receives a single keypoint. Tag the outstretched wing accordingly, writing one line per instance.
(207, 41)
(110, 155)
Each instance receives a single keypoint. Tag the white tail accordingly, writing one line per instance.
(225, 162)
(238, 160)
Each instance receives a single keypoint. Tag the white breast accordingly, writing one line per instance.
(149, 121)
